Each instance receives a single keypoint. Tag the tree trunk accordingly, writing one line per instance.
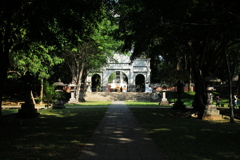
(190, 88)
(6, 44)
(229, 86)
(83, 92)
(4, 61)
(238, 85)
(179, 64)
(41, 92)
(32, 97)
(78, 88)
(199, 98)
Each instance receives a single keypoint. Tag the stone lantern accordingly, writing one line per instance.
(72, 90)
(210, 111)
(59, 88)
(179, 104)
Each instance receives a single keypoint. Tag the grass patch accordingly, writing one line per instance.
(184, 138)
(58, 134)
(91, 103)
(9, 111)
(138, 103)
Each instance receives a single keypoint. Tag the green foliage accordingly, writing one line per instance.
(49, 93)
(89, 54)
(112, 77)
(190, 36)
(30, 29)
(38, 100)
(37, 59)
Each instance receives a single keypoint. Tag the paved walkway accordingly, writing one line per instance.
(119, 136)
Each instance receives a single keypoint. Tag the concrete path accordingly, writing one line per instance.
(119, 136)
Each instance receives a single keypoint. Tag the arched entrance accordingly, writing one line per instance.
(96, 83)
(140, 83)
(130, 68)
(117, 82)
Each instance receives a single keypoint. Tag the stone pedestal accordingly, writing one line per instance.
(89, 88)
(27, 111)
(164, 100)
(72, 99)
(211, 113)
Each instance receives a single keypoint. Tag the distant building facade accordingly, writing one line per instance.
(126, 74)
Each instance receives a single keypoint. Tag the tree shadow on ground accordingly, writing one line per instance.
(56, 134)
(181, 137)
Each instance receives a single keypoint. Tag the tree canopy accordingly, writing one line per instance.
(183, 38)
(198, 31)
(48, 23)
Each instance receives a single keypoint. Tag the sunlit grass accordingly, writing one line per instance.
(58, 134)
(9, 111)
(139, 103)
(91, 103)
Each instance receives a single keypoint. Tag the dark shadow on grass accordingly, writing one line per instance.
(184, 138)
(56, 134)
(226, 111)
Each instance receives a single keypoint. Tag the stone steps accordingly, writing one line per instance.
(117, 96)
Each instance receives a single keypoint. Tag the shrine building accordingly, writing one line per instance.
(121, 75)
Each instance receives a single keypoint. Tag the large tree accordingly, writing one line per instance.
(91, 54)
(201, 29)
(45, 22)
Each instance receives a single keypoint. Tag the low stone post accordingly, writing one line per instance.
(164, 100)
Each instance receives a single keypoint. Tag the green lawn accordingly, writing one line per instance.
(138, 103)
(9, 111)
(61, 133)
(184, 138)
(91, 103)
(58, 134)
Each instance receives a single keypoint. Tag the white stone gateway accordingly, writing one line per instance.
(140, 66)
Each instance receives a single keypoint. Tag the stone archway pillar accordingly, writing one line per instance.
(89, 83)
(131, 83)
(105, 76)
